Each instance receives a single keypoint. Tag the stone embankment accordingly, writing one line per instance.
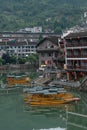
(76, 85)
(42, 81)
(17, 66)
(83, 85)
(73, 84)
(67, 84)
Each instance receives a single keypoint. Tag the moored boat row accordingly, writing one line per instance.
(48, 96)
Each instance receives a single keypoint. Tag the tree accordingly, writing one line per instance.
(33, 59)
(21, 60)
(13, 60)
(6, 58)
(58, 30)
(1, 61)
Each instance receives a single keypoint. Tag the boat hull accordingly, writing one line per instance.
(49, 100)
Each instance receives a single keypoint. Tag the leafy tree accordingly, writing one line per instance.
(21, 60)
(6, 58)
(25, 13)
(13, 60)
(33, 59)
(58, 30)
(1, 61)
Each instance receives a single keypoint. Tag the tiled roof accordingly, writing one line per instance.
(32, 43)
(53, 39)
(76, 34)
(16, 43)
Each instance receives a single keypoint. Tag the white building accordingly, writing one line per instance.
(33, 29)
(15, 48)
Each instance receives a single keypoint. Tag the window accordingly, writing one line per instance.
(42, 54)
(32, 46)
(52, 46)
(49, 54)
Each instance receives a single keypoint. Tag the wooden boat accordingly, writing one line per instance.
(14, 80)
(49, 97)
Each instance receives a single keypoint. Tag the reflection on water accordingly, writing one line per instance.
(59, 112)
(32, 74)
(15, 115)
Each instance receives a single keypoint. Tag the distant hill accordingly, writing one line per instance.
(54, 14)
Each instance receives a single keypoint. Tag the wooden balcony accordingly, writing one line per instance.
(70, 56)
(84, 56)
(76, 44)
(80, 68)
(76, 56)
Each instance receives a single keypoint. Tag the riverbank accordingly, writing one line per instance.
(67, 84)
(17, 67)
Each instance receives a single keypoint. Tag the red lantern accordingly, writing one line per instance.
(72, 72)
(72, 49)
(81, 73)
(70, 39)
(85, 60)
(46, 62)
(78, 38)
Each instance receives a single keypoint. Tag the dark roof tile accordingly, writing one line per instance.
(77, 34)
(53, 39)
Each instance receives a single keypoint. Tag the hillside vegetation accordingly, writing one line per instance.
(54, 14)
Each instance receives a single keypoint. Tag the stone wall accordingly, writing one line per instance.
(18, 66)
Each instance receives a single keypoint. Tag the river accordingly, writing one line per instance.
(15, 115)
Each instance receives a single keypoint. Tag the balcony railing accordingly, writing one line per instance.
(76, 44)
(76, 68)
(76, 56)
(84, 56)
(70, 56)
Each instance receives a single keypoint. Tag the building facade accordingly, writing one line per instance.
(21, 36)
(76, 55)
(20, 43)
(18, 49)
(50, 52)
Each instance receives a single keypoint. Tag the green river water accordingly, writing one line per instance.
(15, 115)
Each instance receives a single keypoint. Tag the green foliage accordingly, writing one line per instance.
(13, 59)
(1, 61)
(21, 60)
(33, 59)
(5, 58)
(16, 14)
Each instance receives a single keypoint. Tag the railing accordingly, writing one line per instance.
(76, 44)
(77, 68)
(83, 56)
(76, 124)
(76, 56)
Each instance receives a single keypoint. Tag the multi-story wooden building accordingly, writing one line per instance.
(76, 55)
(50, 52)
